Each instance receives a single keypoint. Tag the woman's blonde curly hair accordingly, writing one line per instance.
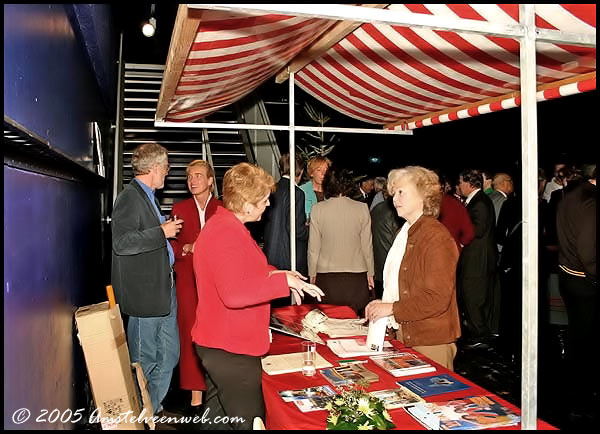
(427, 183)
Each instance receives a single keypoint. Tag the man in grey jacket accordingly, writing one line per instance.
(142, 273)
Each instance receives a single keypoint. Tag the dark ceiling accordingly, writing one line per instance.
(137, 48)
(562, 124)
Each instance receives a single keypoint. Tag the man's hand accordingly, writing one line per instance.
(171, 227)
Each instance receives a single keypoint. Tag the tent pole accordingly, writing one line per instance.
(292, 174)
(529, 357)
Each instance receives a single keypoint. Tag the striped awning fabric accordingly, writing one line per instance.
(394, 76)
(232, 55)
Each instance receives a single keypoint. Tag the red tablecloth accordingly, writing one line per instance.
(285, 415)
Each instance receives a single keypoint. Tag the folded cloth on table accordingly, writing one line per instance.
(318, 322)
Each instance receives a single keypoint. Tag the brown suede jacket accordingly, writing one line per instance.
(427, 309)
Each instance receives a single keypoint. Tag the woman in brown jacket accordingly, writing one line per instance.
(419, 276)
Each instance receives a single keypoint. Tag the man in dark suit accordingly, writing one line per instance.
(477, 279)
(385, 224)
(142, 273)
(277, 221)
(365, 191)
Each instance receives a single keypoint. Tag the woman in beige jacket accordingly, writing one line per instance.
(340, 248)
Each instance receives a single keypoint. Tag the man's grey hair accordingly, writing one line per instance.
(145, 156)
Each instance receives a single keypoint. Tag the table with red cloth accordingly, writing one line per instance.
(282, 415)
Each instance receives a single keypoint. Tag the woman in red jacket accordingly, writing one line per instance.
(235, 286)
(194, 211)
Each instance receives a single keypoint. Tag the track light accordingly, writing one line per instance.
(149, 26)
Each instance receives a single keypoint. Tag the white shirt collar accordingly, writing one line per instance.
(470, 196)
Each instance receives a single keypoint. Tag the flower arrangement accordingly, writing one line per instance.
(354, 408)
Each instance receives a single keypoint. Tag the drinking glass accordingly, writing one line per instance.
(309, 356)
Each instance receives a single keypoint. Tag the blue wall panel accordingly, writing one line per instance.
(49, 85)
(52, 227)
(51, 266)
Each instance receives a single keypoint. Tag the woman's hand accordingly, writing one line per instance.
(293, 273)
(377, 309)
(187, 248)
(299, 287)
(371, 282)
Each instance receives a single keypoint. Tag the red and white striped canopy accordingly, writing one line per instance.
(232, 55)
(384, 74)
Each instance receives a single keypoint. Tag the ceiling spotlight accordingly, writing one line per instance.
(149, 27)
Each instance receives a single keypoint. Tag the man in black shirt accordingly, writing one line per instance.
(576, 231)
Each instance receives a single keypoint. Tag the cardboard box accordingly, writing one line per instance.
(101, 334)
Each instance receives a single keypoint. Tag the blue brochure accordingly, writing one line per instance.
(434, 385)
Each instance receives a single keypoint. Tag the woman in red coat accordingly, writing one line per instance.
(194, 211)
(235, 286)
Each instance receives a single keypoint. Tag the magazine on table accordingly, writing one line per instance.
(474, 412)
(348, 374)
(286, 326)
(434, 385)
(313, 404)
(401, 364)
(397, 398)
(310, 392)
(353, 347)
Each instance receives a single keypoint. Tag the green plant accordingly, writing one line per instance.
(355, 409)
(317, 143)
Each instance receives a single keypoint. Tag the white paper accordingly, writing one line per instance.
(354, 347)
(376, 334)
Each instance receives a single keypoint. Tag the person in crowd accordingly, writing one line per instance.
(565, 175)
(142, 274)
(385, 224)
(340, 246)
(313, 188)
(487, 181)
(578, 282)
(509, 236)
(380, 187)
(195, 211)
(478, 285)
(503, 187)
(555, 183)
(420, 270)
(235, 286)
(364, 192)
(277, 220)
(454, 216)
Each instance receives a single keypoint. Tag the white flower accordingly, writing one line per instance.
(333, 418)
(339, 401)
(387, 415)
(364, 406)
(365, 426)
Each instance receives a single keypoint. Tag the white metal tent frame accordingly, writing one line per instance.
(527, 34)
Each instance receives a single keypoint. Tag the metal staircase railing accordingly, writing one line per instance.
(139, 88)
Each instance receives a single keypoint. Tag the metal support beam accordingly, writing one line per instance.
(559, 37)
(237, 126)
(292, 122)
(529, 357)
(118, 147)
(376, 16)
